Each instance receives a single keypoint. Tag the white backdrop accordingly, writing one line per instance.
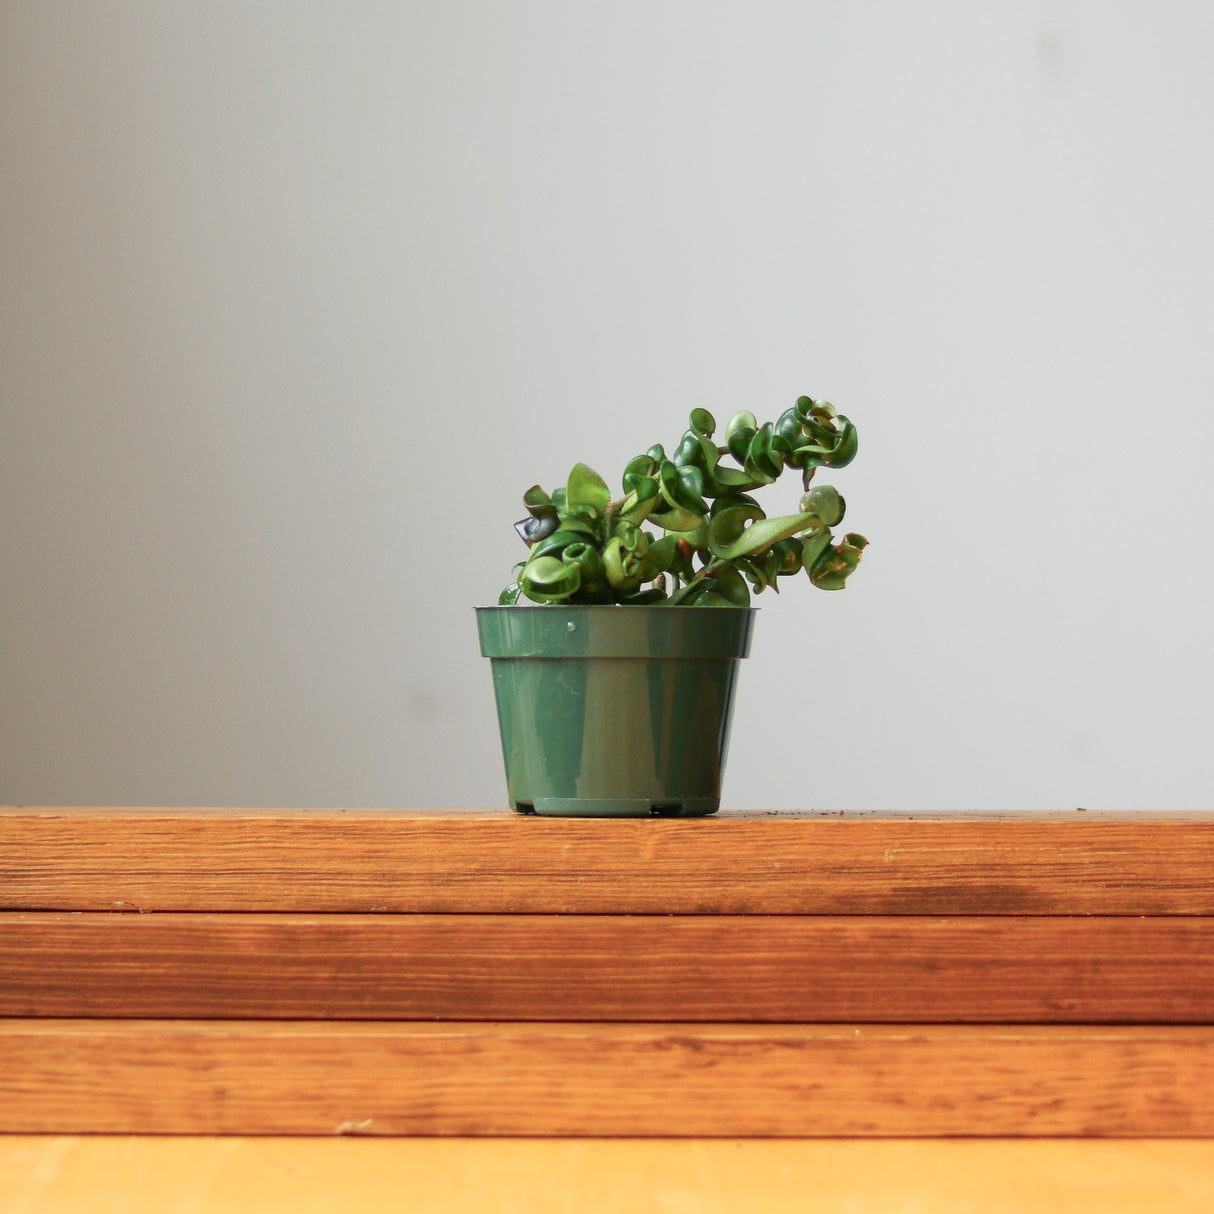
(298, 298)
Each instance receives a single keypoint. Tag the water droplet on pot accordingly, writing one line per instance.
(571, 626)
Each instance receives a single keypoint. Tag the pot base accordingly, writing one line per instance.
(617, 807)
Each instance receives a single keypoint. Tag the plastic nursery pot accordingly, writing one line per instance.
(614, 711)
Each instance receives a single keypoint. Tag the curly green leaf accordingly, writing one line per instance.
(831, 570)
(538, 503)
(643, 497)
(766, 455)
(547, 579)
(586, 489)
(731, 586)
(729, 537)
(643, 598)
(826, 502)
(585, 548)
(677, 520)
(682, 488)
(591, 570)
(788, 556)
(556, 543)
(743, 420)
(812, 548)
(659, 558)
(624, 557)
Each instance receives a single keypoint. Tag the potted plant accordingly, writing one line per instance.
(615, 651)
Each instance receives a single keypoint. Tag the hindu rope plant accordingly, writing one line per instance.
(687, 529)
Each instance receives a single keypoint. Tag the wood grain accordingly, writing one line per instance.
(67, 1077)
(192, 1175)
(891, 969)
(414, 862)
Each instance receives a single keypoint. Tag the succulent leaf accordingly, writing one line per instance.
(536, 527)
(714, 544)
(826, 502)
(832, 569)
(587, 489)
(547, 579)
(729, 538)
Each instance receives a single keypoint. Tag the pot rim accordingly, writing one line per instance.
(610, 631)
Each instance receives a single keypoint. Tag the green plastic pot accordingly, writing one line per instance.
(614, 711)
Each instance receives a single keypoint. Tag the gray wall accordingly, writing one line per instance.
(298, 298)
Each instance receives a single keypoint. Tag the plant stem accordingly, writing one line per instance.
(710, 569)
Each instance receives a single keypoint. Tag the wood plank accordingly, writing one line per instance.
(414, 862)
(128, 1077)
(208, 1175)
(893, 969)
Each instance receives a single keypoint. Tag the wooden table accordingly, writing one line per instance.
(749, 978)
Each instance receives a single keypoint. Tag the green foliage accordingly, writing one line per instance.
(686, 529)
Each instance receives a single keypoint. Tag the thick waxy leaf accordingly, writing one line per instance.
(723, 480)
(642, 598)
(765, 458)
(682, 488)
(623, 567)
(659, 558)
(539, 503)
(509, 596)
(847, 446)
(592, 575)
(701, 425)
(788, 427)
(587, 489)
(831, 569)
(739, 441)
(755, 571)
(810, 410)
(639, 465)
(745, 420)
(698, 450)
(788, 556)
(762, 569)
(556, 542)
(812, 548)
(624, 557)
(714, 545)
(640, 489)
(643, 498)
(756, 538)
(690, 451)
(731, 586)
(730, 500)
(631, 536)
(702, 593)
(676, 520)
(726, 526)
(826, 502)
(536, 527)
(834, 445)
(546, 579)
(697, 539)
(686, 596)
